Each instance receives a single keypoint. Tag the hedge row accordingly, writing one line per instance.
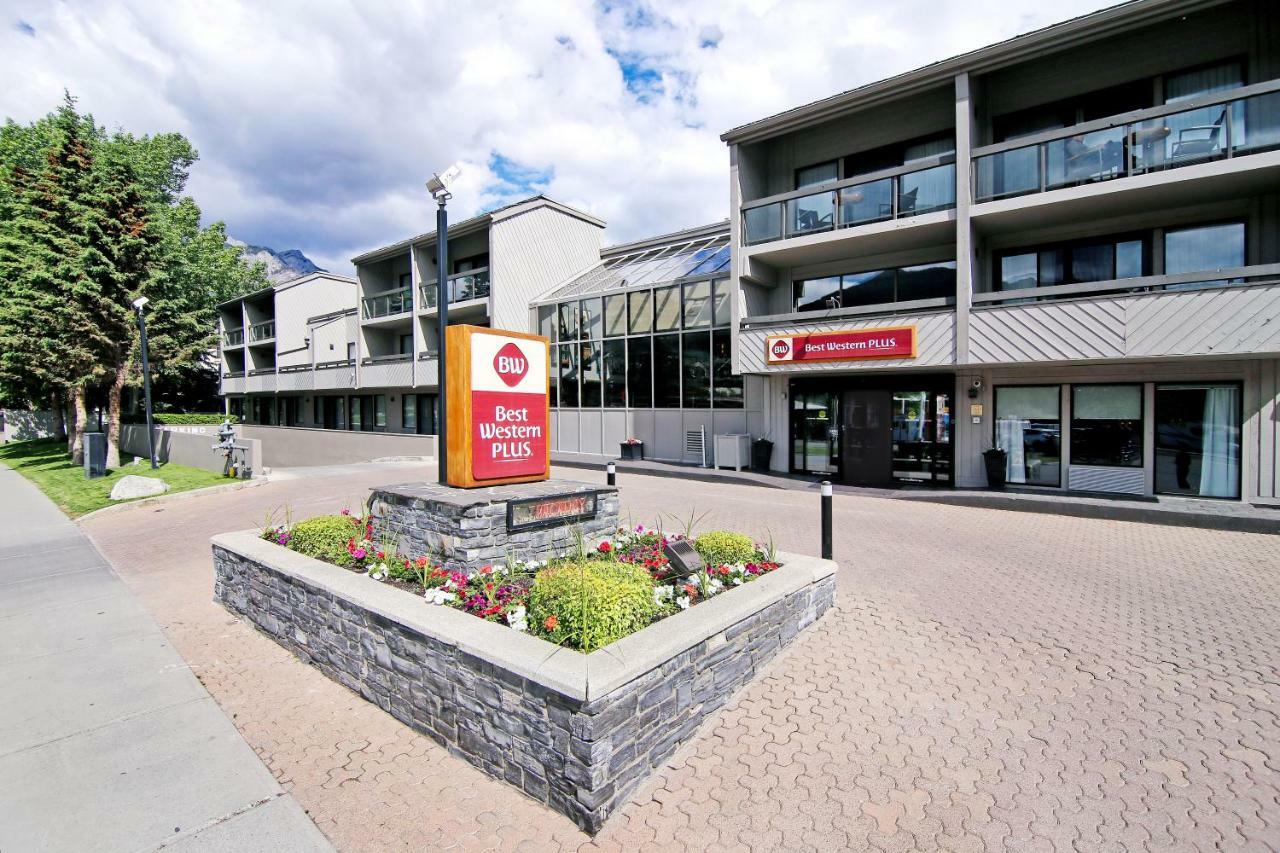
(176, 418)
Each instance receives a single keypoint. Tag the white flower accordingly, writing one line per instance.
(439, 596)
(662, 593)
(516, 619)
(737, 581)
(714, 586)
(683, 601)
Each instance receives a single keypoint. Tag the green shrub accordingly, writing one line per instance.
(718, 547)
(176, 418)
(593, 603)
(325, 537)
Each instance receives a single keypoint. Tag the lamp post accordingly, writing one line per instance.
(438, 186)
(138, 305)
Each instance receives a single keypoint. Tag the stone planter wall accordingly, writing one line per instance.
(577, 732)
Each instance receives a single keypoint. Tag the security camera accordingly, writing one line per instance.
(975, 388)
(977, 385)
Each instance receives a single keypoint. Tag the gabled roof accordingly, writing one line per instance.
(285, 285)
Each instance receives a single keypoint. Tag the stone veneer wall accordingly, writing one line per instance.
(467, 528)
(577, 732)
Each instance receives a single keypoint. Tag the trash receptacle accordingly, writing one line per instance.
(95, 455)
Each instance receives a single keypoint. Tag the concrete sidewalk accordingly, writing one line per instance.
(107, 741)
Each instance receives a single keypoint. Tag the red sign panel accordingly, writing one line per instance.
(842, 345)
(508, 434)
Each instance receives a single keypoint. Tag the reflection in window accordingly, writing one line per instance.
(818, 294)
(591, 378)
(615, 373)
(1198, 440)
(927, 281)
(666, 305)
(666, 371)
(592, 319)
(1106, 425)
(547, 321)
(1204, 247)
(722, 311)
(868, 288)
(696, 370)
(640, 306)
(568, 321)
(553, 376)
(569, 375)
(615, 315)
(1018, 272)
(1029, 430)
(726, 388)
(640, 372)
(697, 305)
(819, 174)
(409, 412)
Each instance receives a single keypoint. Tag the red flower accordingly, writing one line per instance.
(690, 590)
(421, 562)
(550, 622)
(381, 556)
(605, 547)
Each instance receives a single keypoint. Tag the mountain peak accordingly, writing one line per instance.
(281, 266)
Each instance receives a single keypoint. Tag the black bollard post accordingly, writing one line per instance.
(611, 472)
(826, 519)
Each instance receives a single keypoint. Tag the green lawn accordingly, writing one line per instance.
(46, 464)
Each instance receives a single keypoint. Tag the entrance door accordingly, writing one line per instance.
(922, 436)
(868, 453)
(815, 432)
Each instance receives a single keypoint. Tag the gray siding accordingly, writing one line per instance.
(530, 253)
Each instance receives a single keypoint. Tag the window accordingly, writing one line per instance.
(818, 174)
(569, 375)
(726, 388)
(409, 412)
(568, 321)
(426, 407)
(591, 380)
(1095, 259)
(640, 308)
(615, 315)
(317, 413)
(697, 305)
(553, 376)
(406, 280)
(1204, 247)
(722, 312)
(867, 288)
(926, 281)
(666, 371)
(818, 294)
(1198, 440)
(666, 308)
(696, 370)
(592, 319)
(405, 344)
(615, 373)
(1029, 430)
(1106, 425)
(640, 372)
(547, 322)
(354, 408)
(1017, 272)
(380, 411)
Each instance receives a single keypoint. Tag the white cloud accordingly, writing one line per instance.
(317, 123)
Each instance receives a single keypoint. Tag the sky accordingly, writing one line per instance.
(318, 121)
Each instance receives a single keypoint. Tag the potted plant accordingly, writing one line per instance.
(761, 453)
(996, 460)
(632, 448)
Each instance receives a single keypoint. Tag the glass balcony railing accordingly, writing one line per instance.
(895, 196)
(1167, 137)
(388, 304)
(263, 331)
(233, 337)
(461, 287)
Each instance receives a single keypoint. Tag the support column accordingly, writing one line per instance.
(966, 262)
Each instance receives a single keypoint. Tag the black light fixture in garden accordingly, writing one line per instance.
(438, 186)
(138, 305)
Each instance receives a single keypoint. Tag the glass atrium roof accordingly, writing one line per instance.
(703, 256)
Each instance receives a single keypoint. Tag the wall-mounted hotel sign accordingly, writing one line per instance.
(498, 407)
(842, 345)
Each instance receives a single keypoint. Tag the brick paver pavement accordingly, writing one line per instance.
(988, 680)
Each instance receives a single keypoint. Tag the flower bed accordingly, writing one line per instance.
(583, 601)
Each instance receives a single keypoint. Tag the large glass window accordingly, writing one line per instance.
(640, 308)
(927, 281)
(666, 371)
(697, 305)
(553, 376)
(591, 378)
(726, 388)
(1204, 247)
(819, 174)
(868, 288)
(1106, 425)
(818, 294)
(1098, 259)
(547, 322)
(569, 376)
(696, 370)
(615, 315)
(568, 321)
(592, 319)
(723, 312)
(615, 373)
(640, 372)
(666, 308)
(409, 412)
(1029, 430)
(1198, 440)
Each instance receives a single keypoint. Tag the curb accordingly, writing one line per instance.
(159, 499)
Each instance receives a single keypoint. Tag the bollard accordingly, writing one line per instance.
(611, 471)
(826, 519)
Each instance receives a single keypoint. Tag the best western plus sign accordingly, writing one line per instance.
(499, 432)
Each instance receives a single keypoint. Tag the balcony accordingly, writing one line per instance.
(297, 377)
(261, 381)
(879, 197)
(1212, 127)
(428, 370)
(331, 375)
(386, 371)
(462, 287)
(388, 304)
(233, 382)
(262, 332)
(233, 338)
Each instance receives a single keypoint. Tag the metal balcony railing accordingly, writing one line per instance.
(388, 304)
(263, 331)
(461, 287)
(233, 337)
(890, 194)
(1224, 124)
(1258, 274)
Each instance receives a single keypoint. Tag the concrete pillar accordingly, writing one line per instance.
(966, 262)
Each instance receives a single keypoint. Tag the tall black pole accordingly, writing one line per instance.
(146, 386)
(442, 303)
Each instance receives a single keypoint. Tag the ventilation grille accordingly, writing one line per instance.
(695, 444)
(1122, 481)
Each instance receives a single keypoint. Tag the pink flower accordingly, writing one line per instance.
(359, 553)
(346, 512)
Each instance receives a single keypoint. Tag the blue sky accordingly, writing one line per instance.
(318, 123)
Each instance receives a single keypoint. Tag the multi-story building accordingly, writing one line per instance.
(1081, 228)
(1066, 245)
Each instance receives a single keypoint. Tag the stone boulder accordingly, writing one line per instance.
(131, 487)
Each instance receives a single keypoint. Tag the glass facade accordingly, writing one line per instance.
(877, 287)
(1029, 429)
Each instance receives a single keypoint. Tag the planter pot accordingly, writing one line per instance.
(761, 453)
(632, 451)
(995, 461)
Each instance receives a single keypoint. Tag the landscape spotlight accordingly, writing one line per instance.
(140, 303)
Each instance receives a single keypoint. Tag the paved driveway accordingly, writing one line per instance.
(988, 680)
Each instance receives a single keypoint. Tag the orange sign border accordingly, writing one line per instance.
(458, 359)
(915, 345)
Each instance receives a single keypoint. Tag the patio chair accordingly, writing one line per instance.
(1198, 140)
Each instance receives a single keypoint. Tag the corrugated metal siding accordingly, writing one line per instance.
(394, 375)
(532, 252)
(935, 343)
(1223, 321)
(295, 304)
